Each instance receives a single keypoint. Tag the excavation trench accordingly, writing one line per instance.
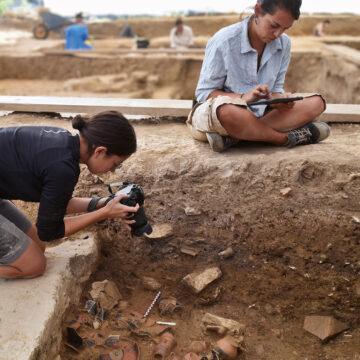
(161, 75)
(294, 255)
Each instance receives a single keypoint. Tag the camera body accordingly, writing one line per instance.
(135, 195)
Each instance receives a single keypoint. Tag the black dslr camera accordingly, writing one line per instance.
(134, 195)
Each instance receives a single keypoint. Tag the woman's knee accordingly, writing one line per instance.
(232, 115)
(317, 105)
(32, 262)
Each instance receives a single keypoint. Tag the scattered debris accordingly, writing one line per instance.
(356, 219)
(74, 340)
(221, 330)
(197, 347)
(199, 281)
(99, 318)
(165, 345)
(323, 327)
(354, 176)
(227, 347)
(228, 253)
(189, 251)
(160, 231)
(150, 283)
(168, 304)
(106, 294)
(286, 191)
(190, 211)
(191, 356)
(233, 327)
(91, 307)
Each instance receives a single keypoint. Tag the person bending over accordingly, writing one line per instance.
(42, 165)
(320, 28)
(246, 62)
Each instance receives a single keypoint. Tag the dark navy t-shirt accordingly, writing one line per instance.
(40, 164)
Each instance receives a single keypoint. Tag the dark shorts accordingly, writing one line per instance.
(13, 228)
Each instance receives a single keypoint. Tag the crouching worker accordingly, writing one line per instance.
(41, 164)
(246, 62)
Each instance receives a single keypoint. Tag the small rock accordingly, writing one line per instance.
(323, 327)
(286, 192)
(269, 309)
(150, 283)
(189, 250)
(356, 220)
(212, 322)
(229, 252)
(105, 293)
(199, 281)
(190, 211)
(160, 231)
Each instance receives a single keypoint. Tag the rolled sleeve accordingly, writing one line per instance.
(58, 186)
(280, 79)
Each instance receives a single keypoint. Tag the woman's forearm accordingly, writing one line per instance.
(77, 223)
(79, 205)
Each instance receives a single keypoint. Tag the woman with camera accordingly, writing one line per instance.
(41, 164)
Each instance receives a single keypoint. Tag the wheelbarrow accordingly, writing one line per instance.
(50, 22)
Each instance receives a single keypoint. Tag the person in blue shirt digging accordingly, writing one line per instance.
(247, 62)
(76, 35)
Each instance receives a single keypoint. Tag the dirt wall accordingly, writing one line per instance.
(209, 25)
(336, 78)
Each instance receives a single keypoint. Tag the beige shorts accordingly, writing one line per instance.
(203, 117)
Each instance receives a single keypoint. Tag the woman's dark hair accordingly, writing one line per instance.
(110, 129)
(292, 6)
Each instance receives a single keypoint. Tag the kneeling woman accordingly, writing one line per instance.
(41, 164)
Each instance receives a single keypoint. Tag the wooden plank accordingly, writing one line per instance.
(151, 107)
(343, 113)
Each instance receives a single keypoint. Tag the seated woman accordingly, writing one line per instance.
(42, 165)
(246, 62)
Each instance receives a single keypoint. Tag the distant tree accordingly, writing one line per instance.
(4, 5)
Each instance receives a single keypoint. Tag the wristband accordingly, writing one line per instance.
(93, 202)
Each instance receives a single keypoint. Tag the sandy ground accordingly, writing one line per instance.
(294, 256)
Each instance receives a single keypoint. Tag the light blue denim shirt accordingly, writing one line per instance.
(230, 64)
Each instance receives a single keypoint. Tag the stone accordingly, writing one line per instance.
(212, 322)
(189, 250)
(228, 253)
(106, 294)
(161, 231)
(286, 191)
(199, 281)
(150, 283)
(190, 211)
(324, 327)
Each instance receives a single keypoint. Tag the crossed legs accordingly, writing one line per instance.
(242, 124)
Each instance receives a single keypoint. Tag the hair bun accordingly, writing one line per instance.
(78, 122)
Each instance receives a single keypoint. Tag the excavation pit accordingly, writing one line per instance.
(294, 255)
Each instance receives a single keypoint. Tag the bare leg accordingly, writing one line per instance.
(244, 125)
(300, 114)
(30, 264)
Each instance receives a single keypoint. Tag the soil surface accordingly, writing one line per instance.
(293, 256)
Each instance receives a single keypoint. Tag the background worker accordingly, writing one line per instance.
(77, 35)
(181, 36)
(246, 62)
(42, 165)
(320, 28)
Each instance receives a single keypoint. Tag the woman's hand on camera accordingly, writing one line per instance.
(260, 92)
(114, 209)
